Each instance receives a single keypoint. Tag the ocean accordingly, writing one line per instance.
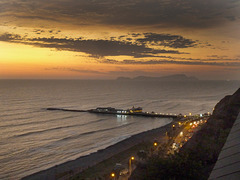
(33, 139)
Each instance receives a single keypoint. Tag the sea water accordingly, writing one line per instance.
(33, 139)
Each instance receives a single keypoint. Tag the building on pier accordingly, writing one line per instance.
(117, 111)
(135, 110)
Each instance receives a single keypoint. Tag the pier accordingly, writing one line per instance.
(62, 109)
(108, 110)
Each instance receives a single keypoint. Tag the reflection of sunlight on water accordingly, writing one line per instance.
(122, 119)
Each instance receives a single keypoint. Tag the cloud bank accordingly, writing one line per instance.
(180, 62)
(93, 47)
(158, 13)
(139, 49)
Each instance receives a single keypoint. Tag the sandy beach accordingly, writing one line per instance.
(73, 167)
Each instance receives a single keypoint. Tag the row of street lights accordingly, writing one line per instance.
(113, 175)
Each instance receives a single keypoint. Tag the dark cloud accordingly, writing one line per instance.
(149, 62)
(166, 40)
(158, 13)
(37, 17)
(102, 48)
(213, 58)
(173, 41)
(10, 37)
(120, 37)
(217, 56)
(135, 34)
(96, 48)
(99, 48)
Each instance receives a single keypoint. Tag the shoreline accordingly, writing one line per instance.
(73, 167)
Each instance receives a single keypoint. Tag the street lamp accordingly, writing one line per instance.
(173, 126)
(113, 175)
(130, 164)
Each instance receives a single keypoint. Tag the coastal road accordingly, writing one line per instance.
(187, 132)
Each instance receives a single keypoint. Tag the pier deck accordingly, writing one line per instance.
(146, 114)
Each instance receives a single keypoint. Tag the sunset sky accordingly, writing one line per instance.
(105, 39)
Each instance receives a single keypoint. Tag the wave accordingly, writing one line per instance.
(20, 113)
(99, 120)
(36, 122)
(19, 118)
(172, 107)
(153, 102)
(92, 132)
(56, 128)
(60, 141)
(38, 132)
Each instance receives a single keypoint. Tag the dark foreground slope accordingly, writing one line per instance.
(198, 156)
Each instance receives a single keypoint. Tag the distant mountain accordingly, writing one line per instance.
(123, 78)
(175, 77)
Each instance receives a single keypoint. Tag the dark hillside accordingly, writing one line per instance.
(198, 156)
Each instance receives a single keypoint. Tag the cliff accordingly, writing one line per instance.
(208, 142)
(198, 156)
(222, 119)
(228, 108)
